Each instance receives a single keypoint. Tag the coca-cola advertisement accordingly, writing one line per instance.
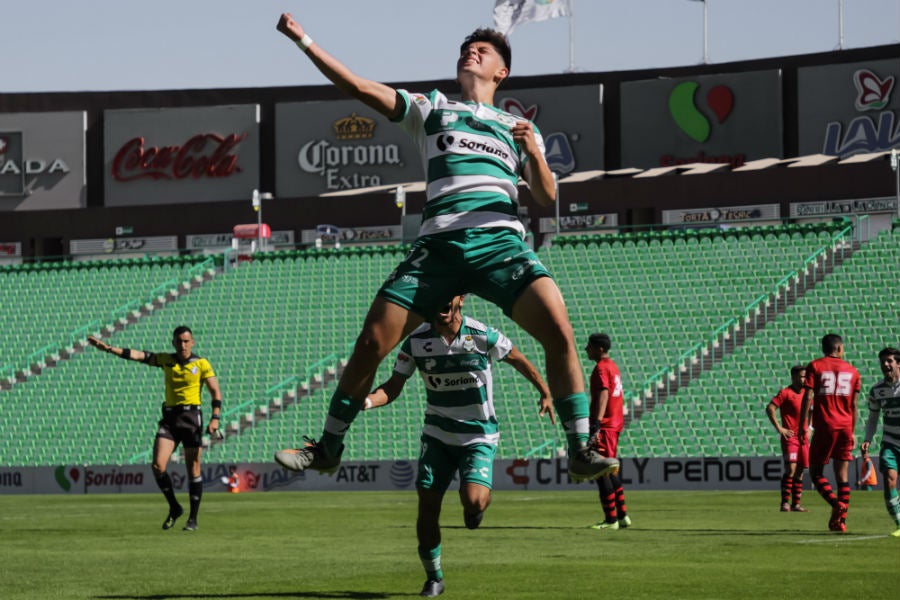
(181, 155)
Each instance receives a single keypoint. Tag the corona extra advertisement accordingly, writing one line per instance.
(340, 145)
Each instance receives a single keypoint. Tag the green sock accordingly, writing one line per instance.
(341, 413)
(431, 560)
(573, 412)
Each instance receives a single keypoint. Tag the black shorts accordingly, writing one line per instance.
(183, 425)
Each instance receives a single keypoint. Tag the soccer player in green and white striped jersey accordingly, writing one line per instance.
(471, 240)
(454, 354)
(884, 399)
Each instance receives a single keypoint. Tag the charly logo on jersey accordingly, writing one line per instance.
(557, 149)
(865, 133)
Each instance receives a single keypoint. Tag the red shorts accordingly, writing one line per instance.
(607, 441)
(827, 444)
(795, 451)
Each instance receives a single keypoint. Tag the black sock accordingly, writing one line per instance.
(195, 489)
(165, 486)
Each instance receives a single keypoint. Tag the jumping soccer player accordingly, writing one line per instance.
(454, 354)
(471, 239)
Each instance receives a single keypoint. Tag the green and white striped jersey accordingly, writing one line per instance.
(472, 165)
(457, 379)
(884, 399)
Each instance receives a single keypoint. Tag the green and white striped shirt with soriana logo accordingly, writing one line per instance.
(472, 165)
(884, 399)
(457, 379)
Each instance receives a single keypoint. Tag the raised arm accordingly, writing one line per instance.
(530, 372)
(126, 353)
(378, 96)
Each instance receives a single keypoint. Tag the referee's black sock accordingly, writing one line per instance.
(195, 489)
(165, 486)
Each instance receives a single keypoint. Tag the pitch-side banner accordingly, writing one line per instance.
(720, 473)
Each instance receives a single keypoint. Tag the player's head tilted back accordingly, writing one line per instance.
(479, 48)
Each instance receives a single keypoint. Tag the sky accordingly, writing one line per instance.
(94, 45)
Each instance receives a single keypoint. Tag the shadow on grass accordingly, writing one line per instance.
(341, 594)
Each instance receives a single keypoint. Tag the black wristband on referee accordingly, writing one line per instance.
(217, 404)
(214, 417)
(126, 353)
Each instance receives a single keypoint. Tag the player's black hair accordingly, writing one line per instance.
(181, 329)
(889, 352)
(495, 39)
(830, 343)
(600, 340)
(796, 369)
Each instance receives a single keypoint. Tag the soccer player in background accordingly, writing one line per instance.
(884, 399)
(832, 389)
(794, 445)
(454, 354)
(607, 421)
(182, 419)
(471, 239)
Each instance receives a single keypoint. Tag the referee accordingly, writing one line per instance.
(182, 420)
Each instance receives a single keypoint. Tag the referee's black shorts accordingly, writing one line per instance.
(183, 425)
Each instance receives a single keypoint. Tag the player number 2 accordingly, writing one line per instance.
(836, 383)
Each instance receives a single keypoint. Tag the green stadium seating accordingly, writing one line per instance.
(656, 293)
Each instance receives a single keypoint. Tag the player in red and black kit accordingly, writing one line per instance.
(794, 446)
(607, 420)
(832, 389)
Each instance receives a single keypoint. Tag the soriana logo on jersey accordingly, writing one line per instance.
(178, 155)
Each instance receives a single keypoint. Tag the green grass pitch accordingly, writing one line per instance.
(362, 545)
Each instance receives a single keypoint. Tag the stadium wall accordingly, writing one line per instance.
(633, 201)
(720, 473)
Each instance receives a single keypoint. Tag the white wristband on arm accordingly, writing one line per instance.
(367, 404)
(305, 42)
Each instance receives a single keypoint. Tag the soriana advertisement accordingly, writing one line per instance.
(42, 161)
(730, 118)
(181, 155)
